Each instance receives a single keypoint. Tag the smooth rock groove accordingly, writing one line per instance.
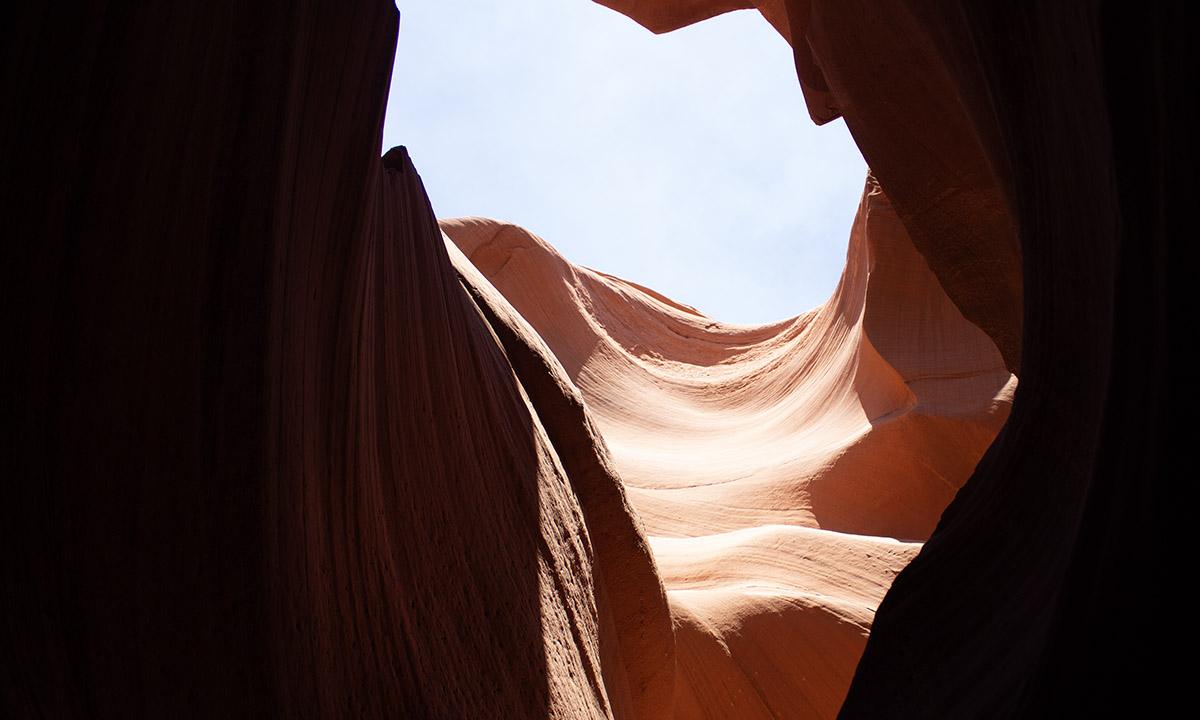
(282, 446)
(785, 473)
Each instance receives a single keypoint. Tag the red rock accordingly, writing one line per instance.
(774, 466)
(275, 449)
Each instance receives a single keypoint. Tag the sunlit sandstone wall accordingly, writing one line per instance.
(255, 413)
(1062, 126)
(785, 473)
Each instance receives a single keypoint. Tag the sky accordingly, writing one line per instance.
(683, 162)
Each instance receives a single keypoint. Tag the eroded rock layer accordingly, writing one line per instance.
(278, 449)
(1061, 127)
(785, 473)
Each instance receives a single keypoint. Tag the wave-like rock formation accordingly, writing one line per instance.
(776, 468)
(280, 445)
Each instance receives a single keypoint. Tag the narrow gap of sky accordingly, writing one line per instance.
(683, 162)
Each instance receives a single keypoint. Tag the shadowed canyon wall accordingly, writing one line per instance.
(280, 445)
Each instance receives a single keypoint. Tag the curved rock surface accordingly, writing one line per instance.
(278, 449)
(1036, 155)
(786, 472)
(912, 92)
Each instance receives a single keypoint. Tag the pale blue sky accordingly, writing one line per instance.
(684, 162)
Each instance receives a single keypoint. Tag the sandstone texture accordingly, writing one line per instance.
(783, 473)
(282, 445)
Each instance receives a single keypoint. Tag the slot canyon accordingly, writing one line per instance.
(283, 443)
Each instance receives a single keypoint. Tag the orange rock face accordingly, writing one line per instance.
(281, 446)
(784, 473)
(912, 95)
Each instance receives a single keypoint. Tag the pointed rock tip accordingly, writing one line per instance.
(397, 158)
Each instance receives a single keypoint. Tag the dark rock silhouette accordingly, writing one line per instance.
(275, 451)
